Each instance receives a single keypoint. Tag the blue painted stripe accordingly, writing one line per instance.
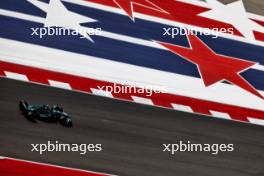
(22, 6)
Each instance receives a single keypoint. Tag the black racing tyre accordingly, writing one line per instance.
(66, 121)
(23, 106)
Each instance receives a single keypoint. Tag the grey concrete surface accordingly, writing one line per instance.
(131, 134)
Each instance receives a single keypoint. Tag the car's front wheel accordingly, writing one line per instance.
(66, 121)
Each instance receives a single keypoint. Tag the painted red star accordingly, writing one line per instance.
(213, 67)
(128, 6)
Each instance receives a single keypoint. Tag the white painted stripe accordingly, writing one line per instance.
(22, 16)
(182, 107)
(221, 115)
(258, 67)
(16, 76)
(102, 93)
(60, 84)
(255, 16)
(142, 100)
(1, 157)
(116, 72)
(256, 121)
(133, 40)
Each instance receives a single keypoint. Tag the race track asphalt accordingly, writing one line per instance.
(131, 134)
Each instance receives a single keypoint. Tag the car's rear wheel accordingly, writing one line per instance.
(23, 106)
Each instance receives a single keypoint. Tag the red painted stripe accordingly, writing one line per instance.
(14, 167)
(259, 36)
(2, 73)
(181, 12)
(259, 22)
(159, 99)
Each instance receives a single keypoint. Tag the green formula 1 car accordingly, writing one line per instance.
(45, 113)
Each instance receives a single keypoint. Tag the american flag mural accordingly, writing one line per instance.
(209, 56)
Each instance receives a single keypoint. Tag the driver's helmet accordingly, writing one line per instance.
(57, 108)
(45, 107)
